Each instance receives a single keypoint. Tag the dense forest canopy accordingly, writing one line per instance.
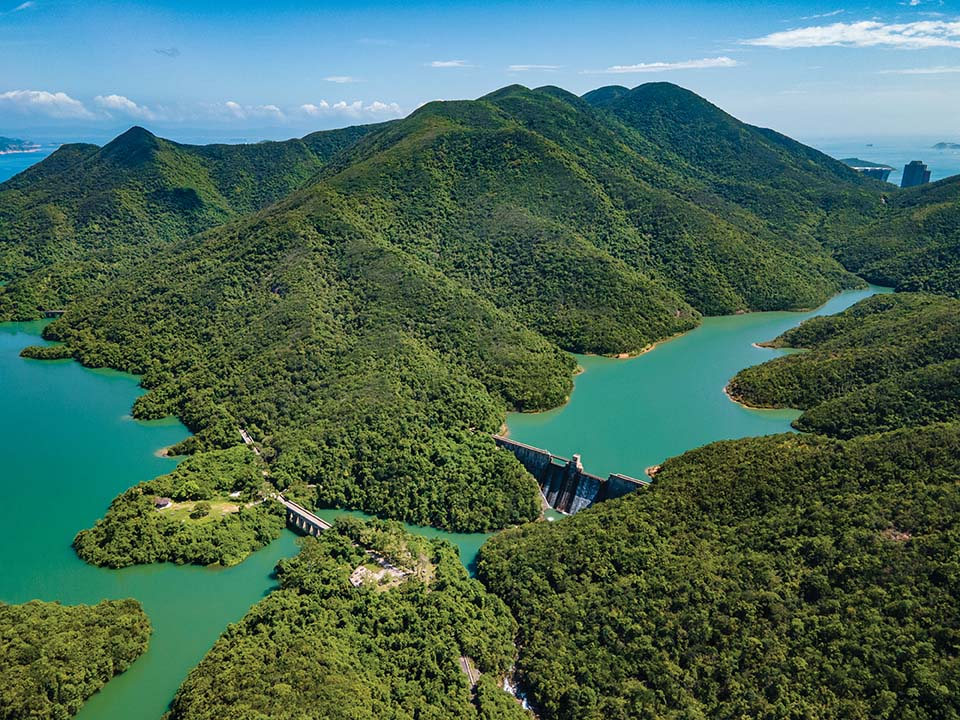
(368, 303)
(914, 244)
(78, 219)
(211, 511)
(392, 647)
(778, 577)
(889, 361)
(53, 657)
(411, 282)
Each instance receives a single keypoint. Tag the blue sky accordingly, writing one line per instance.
(277, 69)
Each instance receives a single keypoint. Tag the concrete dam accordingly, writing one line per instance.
(563, 482)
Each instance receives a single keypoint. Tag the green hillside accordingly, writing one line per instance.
(915, 244)
(370, 328)
(782, 577)
(796, 189)
(53, 657)
(887, 362)
(83, 215)
(364, 372)
(319, 647)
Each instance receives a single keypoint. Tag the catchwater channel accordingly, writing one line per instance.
(69, 447)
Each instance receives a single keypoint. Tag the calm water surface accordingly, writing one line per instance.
(14, 163)
(897, 152)
(626, 415)
(70, 447)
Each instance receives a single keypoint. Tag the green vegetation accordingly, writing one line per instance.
(373, 324)
(75, 221)
(204, 525)
(914, 245)
(321, 647)
(46, 352)
(889, 361)
(53, 657)
(780, 577)
(367, 304)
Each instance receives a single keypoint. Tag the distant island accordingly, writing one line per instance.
(9, 146)
(946, 146)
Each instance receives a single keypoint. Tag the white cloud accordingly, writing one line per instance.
(235, 110)
(936, 70)
(823, 15)
(124, 105)
(311, 109)
(867, 33)
(354, 109)
(449, 64)
(381, 107)
(341, 79)
(24, 6)
(531, 68)
(703, 63)
(55, 105)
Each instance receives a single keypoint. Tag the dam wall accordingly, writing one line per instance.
(565, 485)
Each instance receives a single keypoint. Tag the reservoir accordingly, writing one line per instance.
(70, 447)
(627, 415)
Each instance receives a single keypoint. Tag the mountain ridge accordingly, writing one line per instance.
(373, 324)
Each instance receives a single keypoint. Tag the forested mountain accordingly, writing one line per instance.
(371, 327)
(785, 576)
(393, 647)
(81, 216)
(53, 656)
(915, 244)
(368, 305)
(887, 362)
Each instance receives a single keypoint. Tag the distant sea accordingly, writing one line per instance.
(14, 163)
(894, 152)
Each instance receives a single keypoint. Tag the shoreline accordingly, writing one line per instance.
(747, 406)
(762, 345)
(21, 152)
(580, 370)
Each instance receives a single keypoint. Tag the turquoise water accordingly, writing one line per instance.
(467, 543)
(71, 447)
(627, 415)
(14, 163)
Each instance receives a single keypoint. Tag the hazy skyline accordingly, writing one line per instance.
(806, 68)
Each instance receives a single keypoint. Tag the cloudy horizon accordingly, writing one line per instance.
(803, 68)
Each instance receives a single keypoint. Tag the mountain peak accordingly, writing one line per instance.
(605, 95)
(134, 147)
(506, 90)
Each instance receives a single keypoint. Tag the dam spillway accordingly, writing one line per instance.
(563, 482)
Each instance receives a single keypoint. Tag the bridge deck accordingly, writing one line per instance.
(303, 513)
